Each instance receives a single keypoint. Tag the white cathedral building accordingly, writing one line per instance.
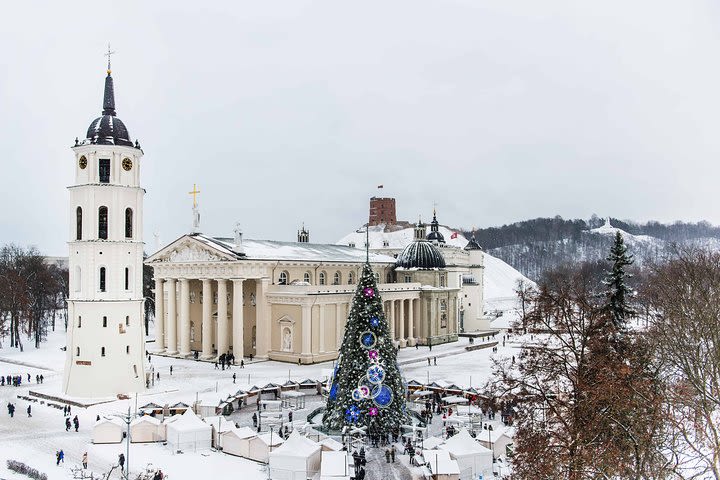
(214, 295)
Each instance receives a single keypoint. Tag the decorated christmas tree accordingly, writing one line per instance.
(366, 389)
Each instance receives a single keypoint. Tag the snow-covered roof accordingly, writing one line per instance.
(397, 240)
(332, 444)
(297, 446)
(276, 250)
(333, 464)
(462, 444)
(242, 432)
(145, 419)
(432, 442)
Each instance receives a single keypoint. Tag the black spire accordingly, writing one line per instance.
(434, 225)
(109, 98)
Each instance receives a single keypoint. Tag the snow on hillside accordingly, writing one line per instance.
(500, 278)
(608, 230)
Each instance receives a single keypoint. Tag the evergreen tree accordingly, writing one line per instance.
(618, 292)
(366, 389)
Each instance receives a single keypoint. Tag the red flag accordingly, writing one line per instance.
(454, 235)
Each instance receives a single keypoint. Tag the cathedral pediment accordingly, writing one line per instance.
(190, 250)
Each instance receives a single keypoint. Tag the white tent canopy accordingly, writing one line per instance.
(334, 466)
(108, 430)
(441, 465)
(146, 429)
(469, 453)
(189, 433)
(455, 400)
(245, 442)
(219, 425)
(296, 459)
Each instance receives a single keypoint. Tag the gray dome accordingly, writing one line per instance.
(435, 236)
(108, 129)
(422, 255)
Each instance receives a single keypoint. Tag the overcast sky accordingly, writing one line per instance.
(291, 112)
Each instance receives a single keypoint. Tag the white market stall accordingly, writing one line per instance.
(219, 425)
(146, 429)
(469, 453)
(334, 466)
(441, 466)
(108, 430)
(236, 441)
(189, 433)
(329, 444)
(296, 459)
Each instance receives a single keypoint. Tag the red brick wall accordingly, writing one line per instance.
(382, 210)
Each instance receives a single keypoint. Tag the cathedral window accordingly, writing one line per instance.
(322, 278)
(103, 223)
(79, 321)
(127, 278)
(104, 171)
(389, 278)
(102, 279)
(351, 278)
(77, 351)
(337, 278)
(127, 320)
(128, 223)
(306, 277)
(442, 280)
(283, 280)
(127, 349)
(105, 322)
(102, 351)
(408, 278)
(78, 223)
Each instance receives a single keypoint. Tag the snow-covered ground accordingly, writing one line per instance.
(35, 440)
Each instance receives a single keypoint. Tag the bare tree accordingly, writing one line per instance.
(685, 297)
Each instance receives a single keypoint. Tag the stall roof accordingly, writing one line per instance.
(440, 463)
(463, 444)
(334, 464)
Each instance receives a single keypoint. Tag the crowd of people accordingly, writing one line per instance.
(17, 380)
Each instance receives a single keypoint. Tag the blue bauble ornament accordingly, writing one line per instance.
(384, 396)
(375, 322)
(376, 374)
(368, 339)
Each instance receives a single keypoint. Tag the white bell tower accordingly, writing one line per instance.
(105, 339)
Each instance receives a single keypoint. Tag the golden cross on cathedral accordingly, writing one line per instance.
(194, 193)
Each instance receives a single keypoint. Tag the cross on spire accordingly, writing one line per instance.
(108, 54)
(194, 193)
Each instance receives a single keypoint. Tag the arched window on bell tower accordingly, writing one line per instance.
(103, 223)
(128, 223)
(78, 223)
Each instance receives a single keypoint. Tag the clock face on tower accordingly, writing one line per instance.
(82, 163)
(127, 164)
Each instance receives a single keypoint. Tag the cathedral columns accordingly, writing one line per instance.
(339, 325)
(392, 319)
(207, 299)
(222, 318)
(171, 317)
(411, 323)
(321, 318)
(262, 320)
(184, 316)
(403, 341)
(238, 319)
(159, 315)
(306, 330)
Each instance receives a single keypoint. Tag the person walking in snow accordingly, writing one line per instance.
(62, 456)
(170, 369)
(234, 376)
(57, 457)
(29, 410)
(84, 460)
(76, 422)
(392, 453)
(121, 462)
(67, 424)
